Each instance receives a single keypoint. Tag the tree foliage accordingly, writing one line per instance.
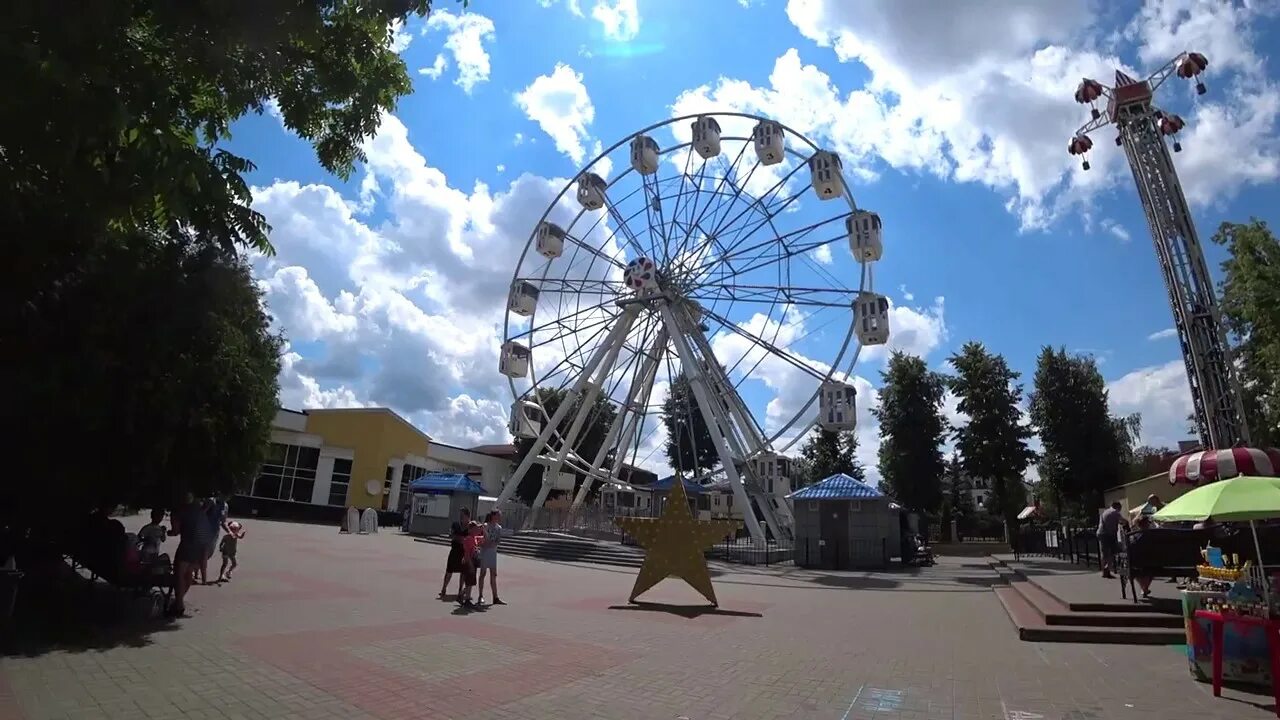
(690, 449)
(591, 438)
(912, 430)
(133, 333)
(1086, 450)
(826, 453)
(959, 490)
(1251, 310)
(161, 378)
(993, 443)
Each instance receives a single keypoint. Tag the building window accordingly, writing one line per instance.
(287, 473)
(340, 482)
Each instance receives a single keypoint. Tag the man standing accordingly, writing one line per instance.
(1108, 536)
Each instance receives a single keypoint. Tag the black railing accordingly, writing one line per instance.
(853, 555)
(745, 551)
(1076, 544)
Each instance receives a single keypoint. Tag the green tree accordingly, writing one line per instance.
(163, 381)
(1251, 310)
(1086, 450)
(826, 453)
(594, 432)
(690, 449)
(116, 171)
(993, 443)
(912, 429)
(958, 488)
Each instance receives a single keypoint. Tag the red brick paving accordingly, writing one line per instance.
(320, 626)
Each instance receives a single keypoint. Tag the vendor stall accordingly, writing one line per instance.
(1232, 620)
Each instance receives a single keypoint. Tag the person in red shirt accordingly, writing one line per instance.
(471, 543)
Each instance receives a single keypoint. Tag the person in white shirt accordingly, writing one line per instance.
(489, 555)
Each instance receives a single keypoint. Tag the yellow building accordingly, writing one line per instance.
(360, 457)
(1134, 495)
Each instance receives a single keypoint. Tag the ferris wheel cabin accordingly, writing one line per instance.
(514, 360)
(550, 241)
(591, 189)
(837, 406)
(864, 236)
(824, 174)
(871, 313)
(526, 419)
(523, 298)
(706, 137)
(774, 472)
(644, 154)
(769, 142)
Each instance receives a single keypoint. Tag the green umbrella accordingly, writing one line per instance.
(1239, 499)
(1236, 500)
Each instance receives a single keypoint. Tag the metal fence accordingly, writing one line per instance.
(856, 554)
(744, 550)
(1074, 543)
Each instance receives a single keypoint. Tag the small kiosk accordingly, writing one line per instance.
(437, 498)
(842, 523)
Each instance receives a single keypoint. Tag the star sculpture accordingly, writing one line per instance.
(674, 545)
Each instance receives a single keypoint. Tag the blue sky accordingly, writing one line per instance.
(952, 121)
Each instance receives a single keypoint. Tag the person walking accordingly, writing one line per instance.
(1108, 536)
(216, 511)
(489, 555)
(457, 538)
(191, 524)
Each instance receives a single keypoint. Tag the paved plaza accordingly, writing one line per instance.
(318, 625)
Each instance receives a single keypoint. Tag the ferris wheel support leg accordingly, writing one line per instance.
(613, 346)
(557, 417)
(705, 404)
(775, 512)
(640, 389)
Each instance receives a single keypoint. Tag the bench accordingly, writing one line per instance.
(107, 560)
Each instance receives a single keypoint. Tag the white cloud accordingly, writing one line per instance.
(501, 168)
(559, 103)
(1163, 334)
(822, 254)
(518, 139)
(437, 68)
(620, 19)
(950, 97)
(400, 38)
(467, 34)
(1161, 395)
(1116, 229)
(906, 294)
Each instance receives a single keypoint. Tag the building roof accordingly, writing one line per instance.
(837, 487)
(369, 409)
(669, 482)
(503, 450)
(445, 482)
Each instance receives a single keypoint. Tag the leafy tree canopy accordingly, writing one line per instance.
(1086, 450)
(1251, 310)
(912, 430)
(594, 432)
(993, 443)
(163, 380)
(690, 449)
(826, 453)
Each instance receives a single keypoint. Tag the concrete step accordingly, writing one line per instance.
(1055, 612)
(1032, 626)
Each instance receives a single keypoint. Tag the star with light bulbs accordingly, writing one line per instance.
(674, 545)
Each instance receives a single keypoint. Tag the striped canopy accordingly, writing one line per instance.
(1209, 465)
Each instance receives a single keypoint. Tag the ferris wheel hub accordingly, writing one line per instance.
(641, 276)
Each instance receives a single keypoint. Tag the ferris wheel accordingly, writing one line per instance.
(708, 261)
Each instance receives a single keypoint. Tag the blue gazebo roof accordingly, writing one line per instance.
(446, 482)
(837, 487)
(666, 483)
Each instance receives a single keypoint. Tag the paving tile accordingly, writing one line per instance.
(319, 625)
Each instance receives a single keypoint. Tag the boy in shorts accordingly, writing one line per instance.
(228, 547)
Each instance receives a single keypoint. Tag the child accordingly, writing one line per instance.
(228, 546)
(151, 537)
(470, 561)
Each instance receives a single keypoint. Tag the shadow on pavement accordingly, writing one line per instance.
(685, 611)
(60, 610)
